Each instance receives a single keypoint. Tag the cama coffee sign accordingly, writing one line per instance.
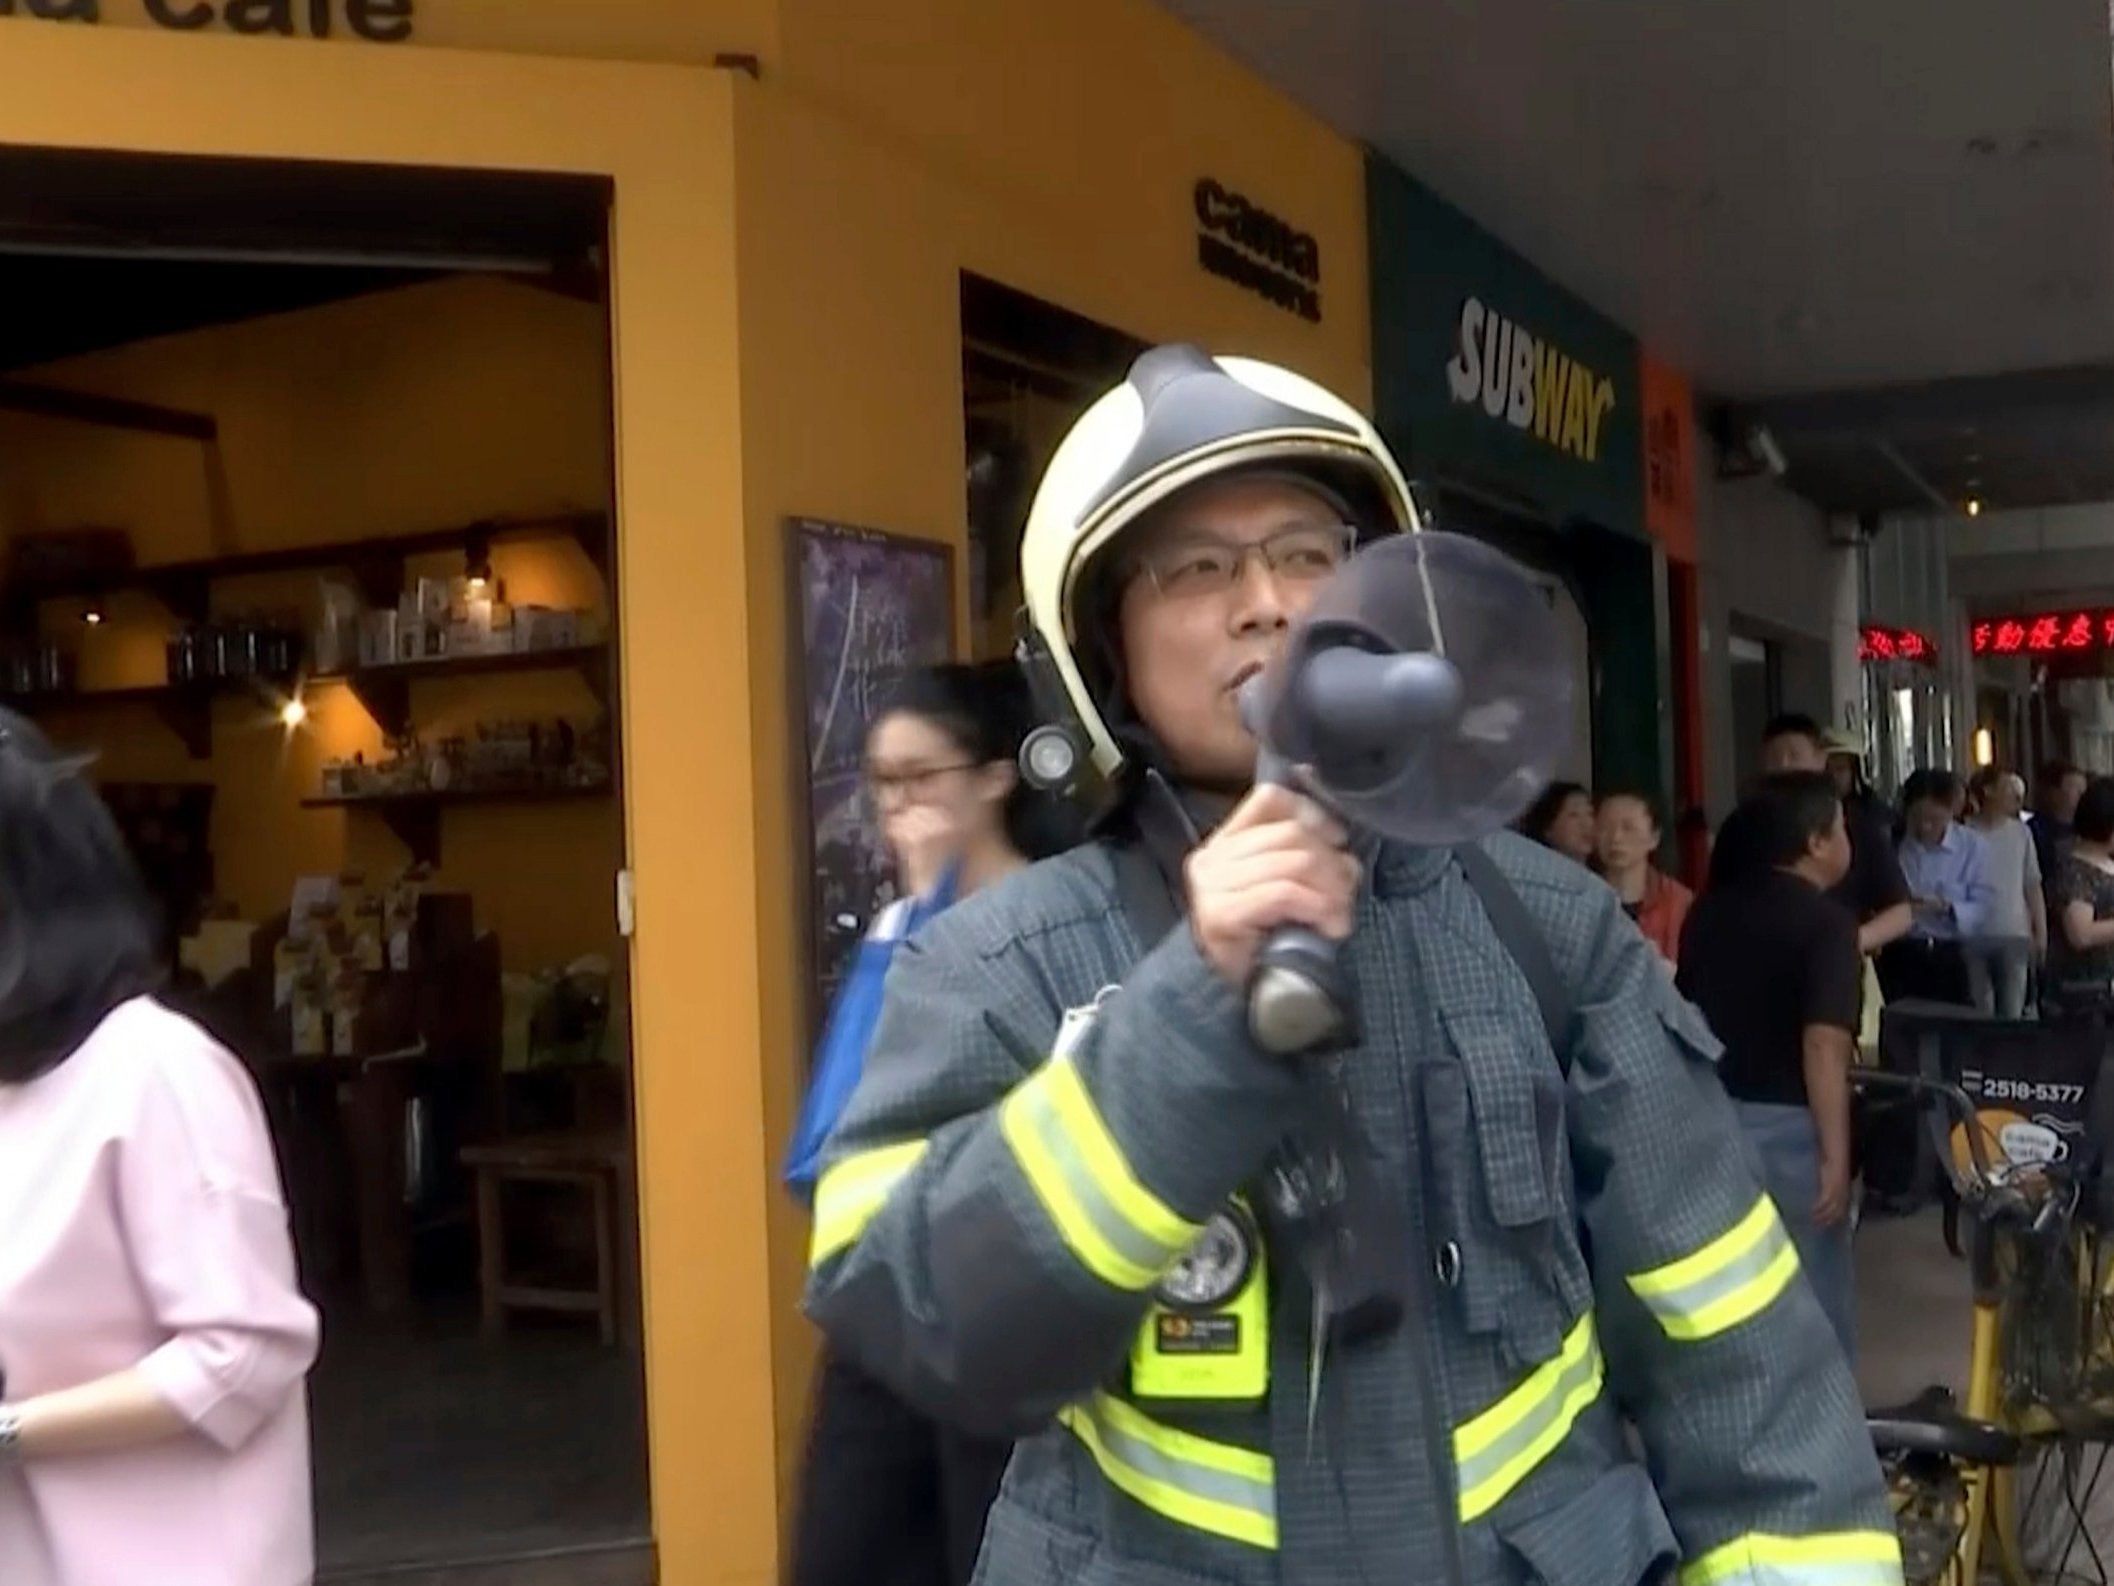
(1240, 241)
(377, 21)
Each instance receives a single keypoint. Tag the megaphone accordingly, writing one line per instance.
(1424, 696)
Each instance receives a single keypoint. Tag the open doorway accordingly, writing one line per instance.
(305, 493)
(1029, 370)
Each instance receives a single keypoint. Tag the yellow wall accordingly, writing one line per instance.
(1052, 147)
(678, 31)
(421, 408)
(787, 259)
(665, 136)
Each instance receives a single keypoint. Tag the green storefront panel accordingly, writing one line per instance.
(1489, 376)
(1486, 371)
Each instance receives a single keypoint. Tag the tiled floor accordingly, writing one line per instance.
(435, 1447)
(1913, 1321)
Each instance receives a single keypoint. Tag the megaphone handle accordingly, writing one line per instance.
(1299, 998)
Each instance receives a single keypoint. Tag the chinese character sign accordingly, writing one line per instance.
(2044, 633)
(1895, 644)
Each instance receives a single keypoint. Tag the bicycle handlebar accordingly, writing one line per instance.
(1960, 1105)
(1985, 1190)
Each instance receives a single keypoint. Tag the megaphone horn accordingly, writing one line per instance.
(1403, 729)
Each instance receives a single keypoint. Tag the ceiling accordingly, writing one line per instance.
(1780, 196)
(98, 250)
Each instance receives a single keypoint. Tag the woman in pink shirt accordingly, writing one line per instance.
(153, 1345)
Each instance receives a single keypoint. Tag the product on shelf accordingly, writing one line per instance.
(440, 619)
(253, 645)
(501, 757)
(38, 667)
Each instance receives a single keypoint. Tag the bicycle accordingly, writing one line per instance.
(2041, 1357)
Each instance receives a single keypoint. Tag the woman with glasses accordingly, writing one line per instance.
(888, 1497)
(153, 1343)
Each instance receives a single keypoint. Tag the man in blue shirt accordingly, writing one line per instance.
(1946, 866)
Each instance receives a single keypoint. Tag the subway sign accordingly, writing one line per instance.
(2045, 633)
(1529, 382)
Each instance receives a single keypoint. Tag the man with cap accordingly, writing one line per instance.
(1874, 890)
(1074, 1202)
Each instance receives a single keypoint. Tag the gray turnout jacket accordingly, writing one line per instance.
(1008, 1186)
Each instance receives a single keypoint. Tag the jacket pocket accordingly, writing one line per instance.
(1613, 1533)
(1023, 1548)
(1494, 1131)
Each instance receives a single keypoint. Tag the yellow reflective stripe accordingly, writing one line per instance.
(1495, 1451)
(852, 1191)
(1119, 1230)
(1216, 1487)
(1839, 1558)
(1734, 1277)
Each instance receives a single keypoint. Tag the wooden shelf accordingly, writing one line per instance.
(377, 564)
(385, 691)
(186, 709)
(415, 817)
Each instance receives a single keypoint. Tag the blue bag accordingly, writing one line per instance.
(841, 1056)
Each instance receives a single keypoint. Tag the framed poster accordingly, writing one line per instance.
(867, 607)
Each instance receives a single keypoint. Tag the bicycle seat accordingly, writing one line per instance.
(1931, 1423)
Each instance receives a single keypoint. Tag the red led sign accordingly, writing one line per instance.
(2044, 633)
(1895, 644)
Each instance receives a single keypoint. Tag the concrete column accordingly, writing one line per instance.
(1843, 594)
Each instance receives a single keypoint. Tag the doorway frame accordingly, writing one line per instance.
(664, 137)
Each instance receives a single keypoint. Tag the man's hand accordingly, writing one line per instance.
(1832, 1204)
(1278, 860)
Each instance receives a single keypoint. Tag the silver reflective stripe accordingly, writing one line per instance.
(1685, 1309)
(1840, 1558)
(1213, 1486)
(1038, 1111)
(1529, 1423)
(1220, 1488)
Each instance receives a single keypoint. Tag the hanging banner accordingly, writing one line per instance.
(1669, 457)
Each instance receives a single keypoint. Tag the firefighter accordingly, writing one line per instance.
(1051, 1211)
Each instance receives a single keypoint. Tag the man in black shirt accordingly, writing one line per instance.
(1773, 963)
(1873, 890)
(2056, 794)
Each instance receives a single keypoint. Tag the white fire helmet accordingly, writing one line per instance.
(1181, 418)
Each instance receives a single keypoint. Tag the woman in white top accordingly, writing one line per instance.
(153, 1428)
(2014, 937)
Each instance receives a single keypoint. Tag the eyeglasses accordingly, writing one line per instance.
(1193, 568)
(888, 787)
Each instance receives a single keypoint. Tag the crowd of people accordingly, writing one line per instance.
(1822, 901)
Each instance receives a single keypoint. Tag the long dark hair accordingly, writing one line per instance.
(986, 711)
(1542, 813)
(77, 933)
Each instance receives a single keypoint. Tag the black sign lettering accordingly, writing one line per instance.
(1240, 241)
(377, 21)
(382, 21)
(260, 16)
